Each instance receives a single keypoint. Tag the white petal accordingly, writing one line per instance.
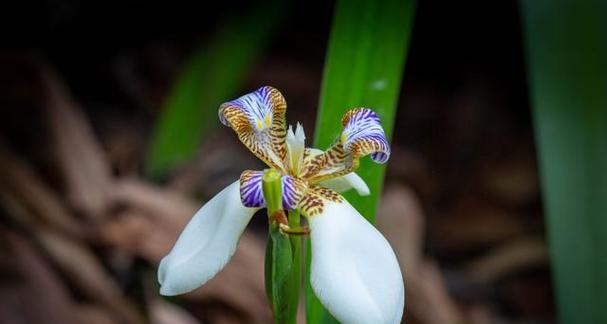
(347, 182)
(206, 244)
(354, 271)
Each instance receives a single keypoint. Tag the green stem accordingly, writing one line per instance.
(272, 191)
(283, 255)
(295, 280)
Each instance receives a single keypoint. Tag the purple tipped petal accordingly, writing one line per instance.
(258, 118)
(363, 135)
(256, 106)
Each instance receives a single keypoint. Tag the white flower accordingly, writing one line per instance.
(354, 271)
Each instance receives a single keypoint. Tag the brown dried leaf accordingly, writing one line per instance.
(474, 223)
(162, 312)
(20, 185)
(428, 298)
(401, 220)
(83, 269)
(31, 292)
(81, 158)
(510, 180)
(169, 207)
(94, 314)
(515, 255)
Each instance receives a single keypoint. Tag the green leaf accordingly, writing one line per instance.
(364, 65)
(213, 74)
(283, 295)
(566, 47)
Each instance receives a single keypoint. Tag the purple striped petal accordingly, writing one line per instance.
(363, 135)
(251, 192)
(293, 190)
(256, 106)
(258, 118)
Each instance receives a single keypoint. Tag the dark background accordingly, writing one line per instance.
(464, 154)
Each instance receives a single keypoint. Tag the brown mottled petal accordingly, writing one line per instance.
(362, 135)
(258, 118)
(315, 199)
(335, 162)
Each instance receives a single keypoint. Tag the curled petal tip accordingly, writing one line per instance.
(363, 135)
(258, 118)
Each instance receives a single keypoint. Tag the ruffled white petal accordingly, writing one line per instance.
(206, 244)
(354, 271)
(347, 182)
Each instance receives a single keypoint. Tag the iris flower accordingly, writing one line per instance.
(354, 271)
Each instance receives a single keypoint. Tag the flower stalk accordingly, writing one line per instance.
(283, 254)
(272, 191)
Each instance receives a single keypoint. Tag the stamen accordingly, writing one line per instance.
(296, 146)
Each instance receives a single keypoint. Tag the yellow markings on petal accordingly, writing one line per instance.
(258, 119)
(343, 137)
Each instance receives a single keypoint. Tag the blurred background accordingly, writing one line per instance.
(91, 197)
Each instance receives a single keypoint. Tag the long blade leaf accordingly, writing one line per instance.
(566, 43)
(363, 68)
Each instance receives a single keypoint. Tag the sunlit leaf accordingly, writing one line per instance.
(364, 65)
